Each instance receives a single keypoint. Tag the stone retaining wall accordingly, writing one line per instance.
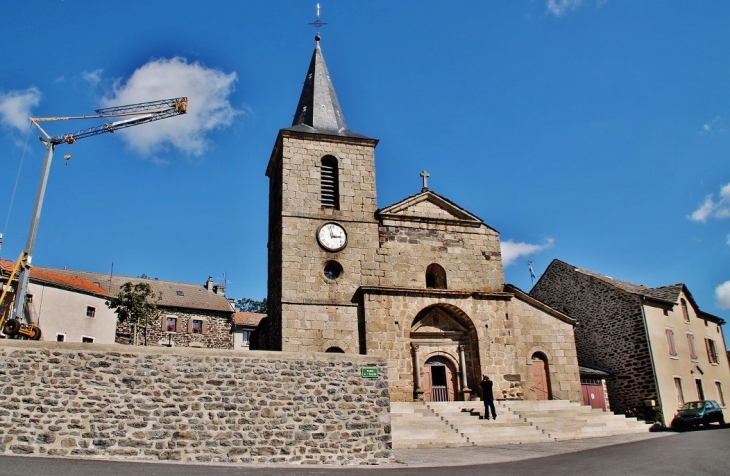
(197, 405)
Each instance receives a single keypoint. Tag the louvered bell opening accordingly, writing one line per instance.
(329, 194)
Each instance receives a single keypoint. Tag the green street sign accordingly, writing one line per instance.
(369, 372)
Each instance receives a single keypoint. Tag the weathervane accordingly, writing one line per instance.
(317, 23)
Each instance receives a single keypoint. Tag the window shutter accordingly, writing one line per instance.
(163, 323)
(190, 325)
(205, 326)
(670, 342)
(709, 351)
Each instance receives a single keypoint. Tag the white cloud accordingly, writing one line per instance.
(716, 126)
(559, 7)
(722, 295)
(16, 106)
(511, 251)
(716, 209)
(92, 77)
(209, 108)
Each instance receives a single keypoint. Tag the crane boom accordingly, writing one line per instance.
(151, 111)
(143, 113)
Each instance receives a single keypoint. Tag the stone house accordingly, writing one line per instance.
(66, 308)
(657, 343)
(419, 282)
(244, 327)
(191, 315)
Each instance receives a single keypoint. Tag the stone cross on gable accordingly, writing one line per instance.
(425, 176)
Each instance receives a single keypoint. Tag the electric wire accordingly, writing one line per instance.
(17, 179)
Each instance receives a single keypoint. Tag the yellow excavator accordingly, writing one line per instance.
(16, 320)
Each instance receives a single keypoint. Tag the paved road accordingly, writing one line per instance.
(703, 452)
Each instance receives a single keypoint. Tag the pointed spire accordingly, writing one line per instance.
(318, 106)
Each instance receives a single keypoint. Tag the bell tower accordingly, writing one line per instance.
(323, 234)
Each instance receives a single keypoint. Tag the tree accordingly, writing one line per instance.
(134, 304)
(250, 305)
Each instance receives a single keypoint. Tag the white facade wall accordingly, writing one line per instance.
(62, 311)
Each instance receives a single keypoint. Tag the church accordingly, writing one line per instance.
(419, 282)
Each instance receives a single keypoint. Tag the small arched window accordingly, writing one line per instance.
(329, 180)
(334, 350)
(685, 312)
(435, 277)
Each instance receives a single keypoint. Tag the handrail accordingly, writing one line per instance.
(550, 397)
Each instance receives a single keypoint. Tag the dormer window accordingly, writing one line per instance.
(180, 293)
(330, 187)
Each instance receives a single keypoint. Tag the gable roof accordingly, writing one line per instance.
(432, 207)
(251, 319)
(533, 301)
(664, 294)
(174, 294)
(47, 277)
(318, 110)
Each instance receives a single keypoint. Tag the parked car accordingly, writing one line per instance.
(702, 412)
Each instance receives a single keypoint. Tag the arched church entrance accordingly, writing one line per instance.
(540, 376)
(439, 380)
(445, 354)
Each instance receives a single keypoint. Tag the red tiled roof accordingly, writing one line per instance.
(43, 276)
(247, 318)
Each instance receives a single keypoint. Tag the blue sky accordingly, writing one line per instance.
(592, 131)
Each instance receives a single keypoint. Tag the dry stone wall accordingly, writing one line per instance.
(195, 405)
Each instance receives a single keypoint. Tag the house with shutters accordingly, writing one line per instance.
(65, 308)
(190, 315)
(656, 343)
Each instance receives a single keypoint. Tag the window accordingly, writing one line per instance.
(329, 183)
(171, 324)
(246, 337)
(711, 351)
(720, 396)
(685, 313)
(90, 311)
(700, 390)
(180, 293)
(678, 388)
(332, 270)
(87, 340)
(670, 343)
(334, 350)
(435, 277)
(197, 326)
(28, 298)
(60, 337)
(691, 342)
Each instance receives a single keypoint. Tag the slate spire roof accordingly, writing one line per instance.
(319, 109)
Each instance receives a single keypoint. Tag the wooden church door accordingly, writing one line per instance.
(540, 378)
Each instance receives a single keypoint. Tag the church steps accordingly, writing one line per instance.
(443, 424)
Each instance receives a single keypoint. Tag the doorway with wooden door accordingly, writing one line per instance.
(540, 377)
(439, 380)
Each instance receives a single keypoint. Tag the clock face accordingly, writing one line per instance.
(332, 237)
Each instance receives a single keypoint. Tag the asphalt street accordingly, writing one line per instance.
(700, 452)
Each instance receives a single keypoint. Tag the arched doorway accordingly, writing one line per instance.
(439, 380)
(445, 354)
(540, 377)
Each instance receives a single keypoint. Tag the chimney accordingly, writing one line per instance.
(219, 289)
(209, 283)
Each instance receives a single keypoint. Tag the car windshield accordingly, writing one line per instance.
(693, 406)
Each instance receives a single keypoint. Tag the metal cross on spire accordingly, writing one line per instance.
(425, 176)
(317, 23)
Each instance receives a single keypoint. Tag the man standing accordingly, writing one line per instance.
(488, 397)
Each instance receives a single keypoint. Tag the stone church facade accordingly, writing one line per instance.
(419, 282)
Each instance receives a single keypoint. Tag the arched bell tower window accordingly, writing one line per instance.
(330, 186)
(435, 277)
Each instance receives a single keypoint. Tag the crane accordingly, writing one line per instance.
(140, 113)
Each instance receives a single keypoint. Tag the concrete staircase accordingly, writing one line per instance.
(563, 420)
(450, 424)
